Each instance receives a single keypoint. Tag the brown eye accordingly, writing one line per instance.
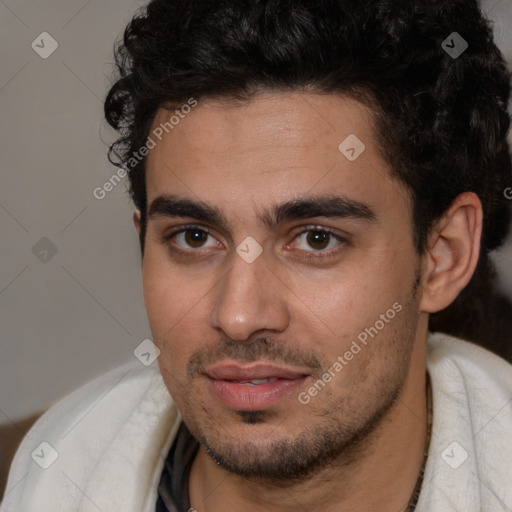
(189, 238)
(195, 237)
(318, 239)
(317, 242)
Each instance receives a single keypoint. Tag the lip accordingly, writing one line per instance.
(226, 384)
(233, 371)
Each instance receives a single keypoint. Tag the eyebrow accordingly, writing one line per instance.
(330, 206)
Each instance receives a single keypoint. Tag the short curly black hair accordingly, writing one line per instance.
(441, 121)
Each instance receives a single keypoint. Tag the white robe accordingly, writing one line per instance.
(113, 434)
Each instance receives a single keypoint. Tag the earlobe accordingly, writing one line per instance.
(136, 221)
(452, 253)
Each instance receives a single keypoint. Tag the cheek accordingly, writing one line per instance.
(349, 299)
(166, 307)
(166, 292)
(177, 311)
(335, 311)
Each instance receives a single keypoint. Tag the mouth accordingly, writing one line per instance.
(252, 387)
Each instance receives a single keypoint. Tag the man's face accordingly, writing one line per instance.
(222, 314)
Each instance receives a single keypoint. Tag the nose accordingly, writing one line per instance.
(249, 299)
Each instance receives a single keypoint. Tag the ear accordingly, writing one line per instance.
(136, 221)
(452, 254)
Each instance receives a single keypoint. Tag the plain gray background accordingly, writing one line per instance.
(70, 318)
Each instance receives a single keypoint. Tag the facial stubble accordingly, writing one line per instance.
(337, 433)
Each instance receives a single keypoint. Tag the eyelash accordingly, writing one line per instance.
(308, 254)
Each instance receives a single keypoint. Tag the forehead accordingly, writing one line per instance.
(271, 148)
(306, 122)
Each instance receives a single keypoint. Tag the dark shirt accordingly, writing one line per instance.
(173, 488)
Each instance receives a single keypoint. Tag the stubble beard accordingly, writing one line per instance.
(335, 436)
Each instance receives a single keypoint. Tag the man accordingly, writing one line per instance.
(313, 181)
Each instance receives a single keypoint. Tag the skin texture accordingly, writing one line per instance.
(296, 311)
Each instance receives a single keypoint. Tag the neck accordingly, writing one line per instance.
(379, 472)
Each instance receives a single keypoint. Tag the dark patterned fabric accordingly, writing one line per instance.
(173, 488)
